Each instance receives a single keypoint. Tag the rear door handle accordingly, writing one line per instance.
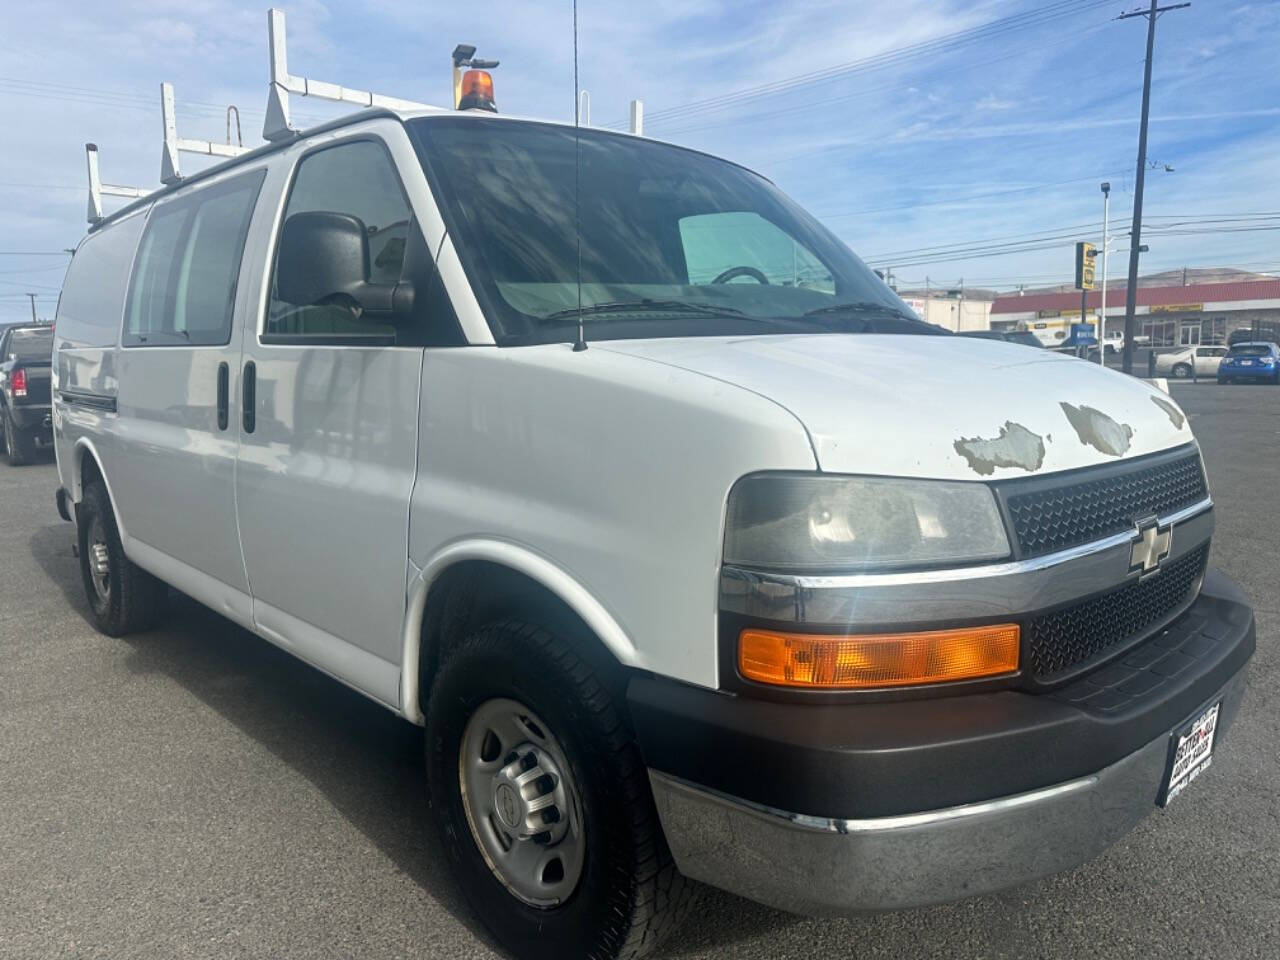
(224, 378)
(248, 399)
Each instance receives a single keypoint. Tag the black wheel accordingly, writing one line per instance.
(19, 445)
(124, 598)
(1181, 370)
(543, 802)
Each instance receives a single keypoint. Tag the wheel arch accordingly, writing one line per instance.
(473, 582)
(86, 466)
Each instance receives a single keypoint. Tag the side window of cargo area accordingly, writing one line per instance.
(744, 245)
(355, 179)
(184, 280)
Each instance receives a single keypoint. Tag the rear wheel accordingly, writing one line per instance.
(123, 597)
(19, 444)
(543, 803)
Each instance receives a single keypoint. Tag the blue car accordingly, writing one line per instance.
(1251, 361)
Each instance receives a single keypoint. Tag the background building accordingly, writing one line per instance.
(952, 309)
(1171, 316)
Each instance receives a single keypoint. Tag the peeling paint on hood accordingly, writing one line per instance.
(1097, 430)
(1176, 416)
(1015, 446)
(895, 405)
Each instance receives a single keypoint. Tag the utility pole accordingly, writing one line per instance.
(1102, 313)
(1135, 237)
(33, 306)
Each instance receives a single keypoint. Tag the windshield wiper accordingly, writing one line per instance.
(650, 306)
(862, 306)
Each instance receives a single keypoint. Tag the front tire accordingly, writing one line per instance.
(542, 801)
(1181, 371)
(122, 596)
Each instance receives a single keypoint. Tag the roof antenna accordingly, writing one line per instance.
(581, 343)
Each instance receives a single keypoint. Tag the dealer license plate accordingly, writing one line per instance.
(1190, 753)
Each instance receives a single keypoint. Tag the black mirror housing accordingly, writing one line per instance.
(325, 255)
(321, 255)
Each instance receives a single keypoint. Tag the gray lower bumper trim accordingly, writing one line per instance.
(830, 867)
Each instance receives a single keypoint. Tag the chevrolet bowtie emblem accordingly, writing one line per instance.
(1151, 547)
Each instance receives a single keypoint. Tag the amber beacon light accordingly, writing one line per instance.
(873, 661)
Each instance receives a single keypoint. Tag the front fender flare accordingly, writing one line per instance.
(523, 560)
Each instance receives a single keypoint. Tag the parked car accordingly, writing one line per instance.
(1251, 361)
(1180, 363)
(685, 576)
(25, 357)
(1024, 337)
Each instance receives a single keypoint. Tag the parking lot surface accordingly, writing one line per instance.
(195, 792)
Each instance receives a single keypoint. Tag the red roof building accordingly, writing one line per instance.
(1200, 313)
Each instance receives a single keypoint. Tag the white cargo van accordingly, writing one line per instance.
(771, 586)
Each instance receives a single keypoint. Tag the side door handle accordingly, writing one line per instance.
(248, 399)
(224, 379)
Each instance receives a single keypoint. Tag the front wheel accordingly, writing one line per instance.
(1181, 371)
(542, 801)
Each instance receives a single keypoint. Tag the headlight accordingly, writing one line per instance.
(829, 523)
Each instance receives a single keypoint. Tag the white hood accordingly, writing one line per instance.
(944, 407)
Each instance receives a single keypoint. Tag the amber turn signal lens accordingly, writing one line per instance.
(877, 660)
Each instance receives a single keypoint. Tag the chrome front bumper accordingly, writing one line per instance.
(820, 866)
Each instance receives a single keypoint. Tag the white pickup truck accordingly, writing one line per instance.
(696, 553)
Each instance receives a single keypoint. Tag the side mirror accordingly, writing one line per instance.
(324, 256)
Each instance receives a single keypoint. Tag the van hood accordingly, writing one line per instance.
(932, 406)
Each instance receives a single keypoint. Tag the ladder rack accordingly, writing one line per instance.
(98, 189)
(174, 144)
(277, 126)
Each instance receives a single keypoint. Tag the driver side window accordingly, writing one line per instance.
(357, 179)
(743, 247)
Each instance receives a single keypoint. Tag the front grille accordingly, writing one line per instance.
(1050, 517)
(1059, 643)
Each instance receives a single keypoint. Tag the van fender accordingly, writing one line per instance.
(84, 448)
(523, 560)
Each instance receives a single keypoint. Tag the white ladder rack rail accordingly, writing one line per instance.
(277, 125)
(98, 189)
(174, 144)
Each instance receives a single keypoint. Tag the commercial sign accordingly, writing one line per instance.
(1177, 308)
(1086, 253)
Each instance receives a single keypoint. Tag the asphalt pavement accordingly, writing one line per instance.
(195, 792)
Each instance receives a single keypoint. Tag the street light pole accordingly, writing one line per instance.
(1102, 313)
(1131, 293)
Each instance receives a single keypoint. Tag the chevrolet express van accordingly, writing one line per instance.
(697, 554)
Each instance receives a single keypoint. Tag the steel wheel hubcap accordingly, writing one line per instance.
(521, 804)
(99, 561)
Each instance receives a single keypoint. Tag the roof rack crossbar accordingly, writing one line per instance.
(174, 144)
(277, 125)
(98, 189)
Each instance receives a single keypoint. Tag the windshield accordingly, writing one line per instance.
(31, 344)
(673, 242)
(1251, 350)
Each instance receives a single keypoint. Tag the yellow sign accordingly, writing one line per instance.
(1058, 314)
(1086, 253)
(1177, 308)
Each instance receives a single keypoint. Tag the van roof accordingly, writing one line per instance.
(367, 113)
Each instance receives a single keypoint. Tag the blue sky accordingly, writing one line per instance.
(1001, 136)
